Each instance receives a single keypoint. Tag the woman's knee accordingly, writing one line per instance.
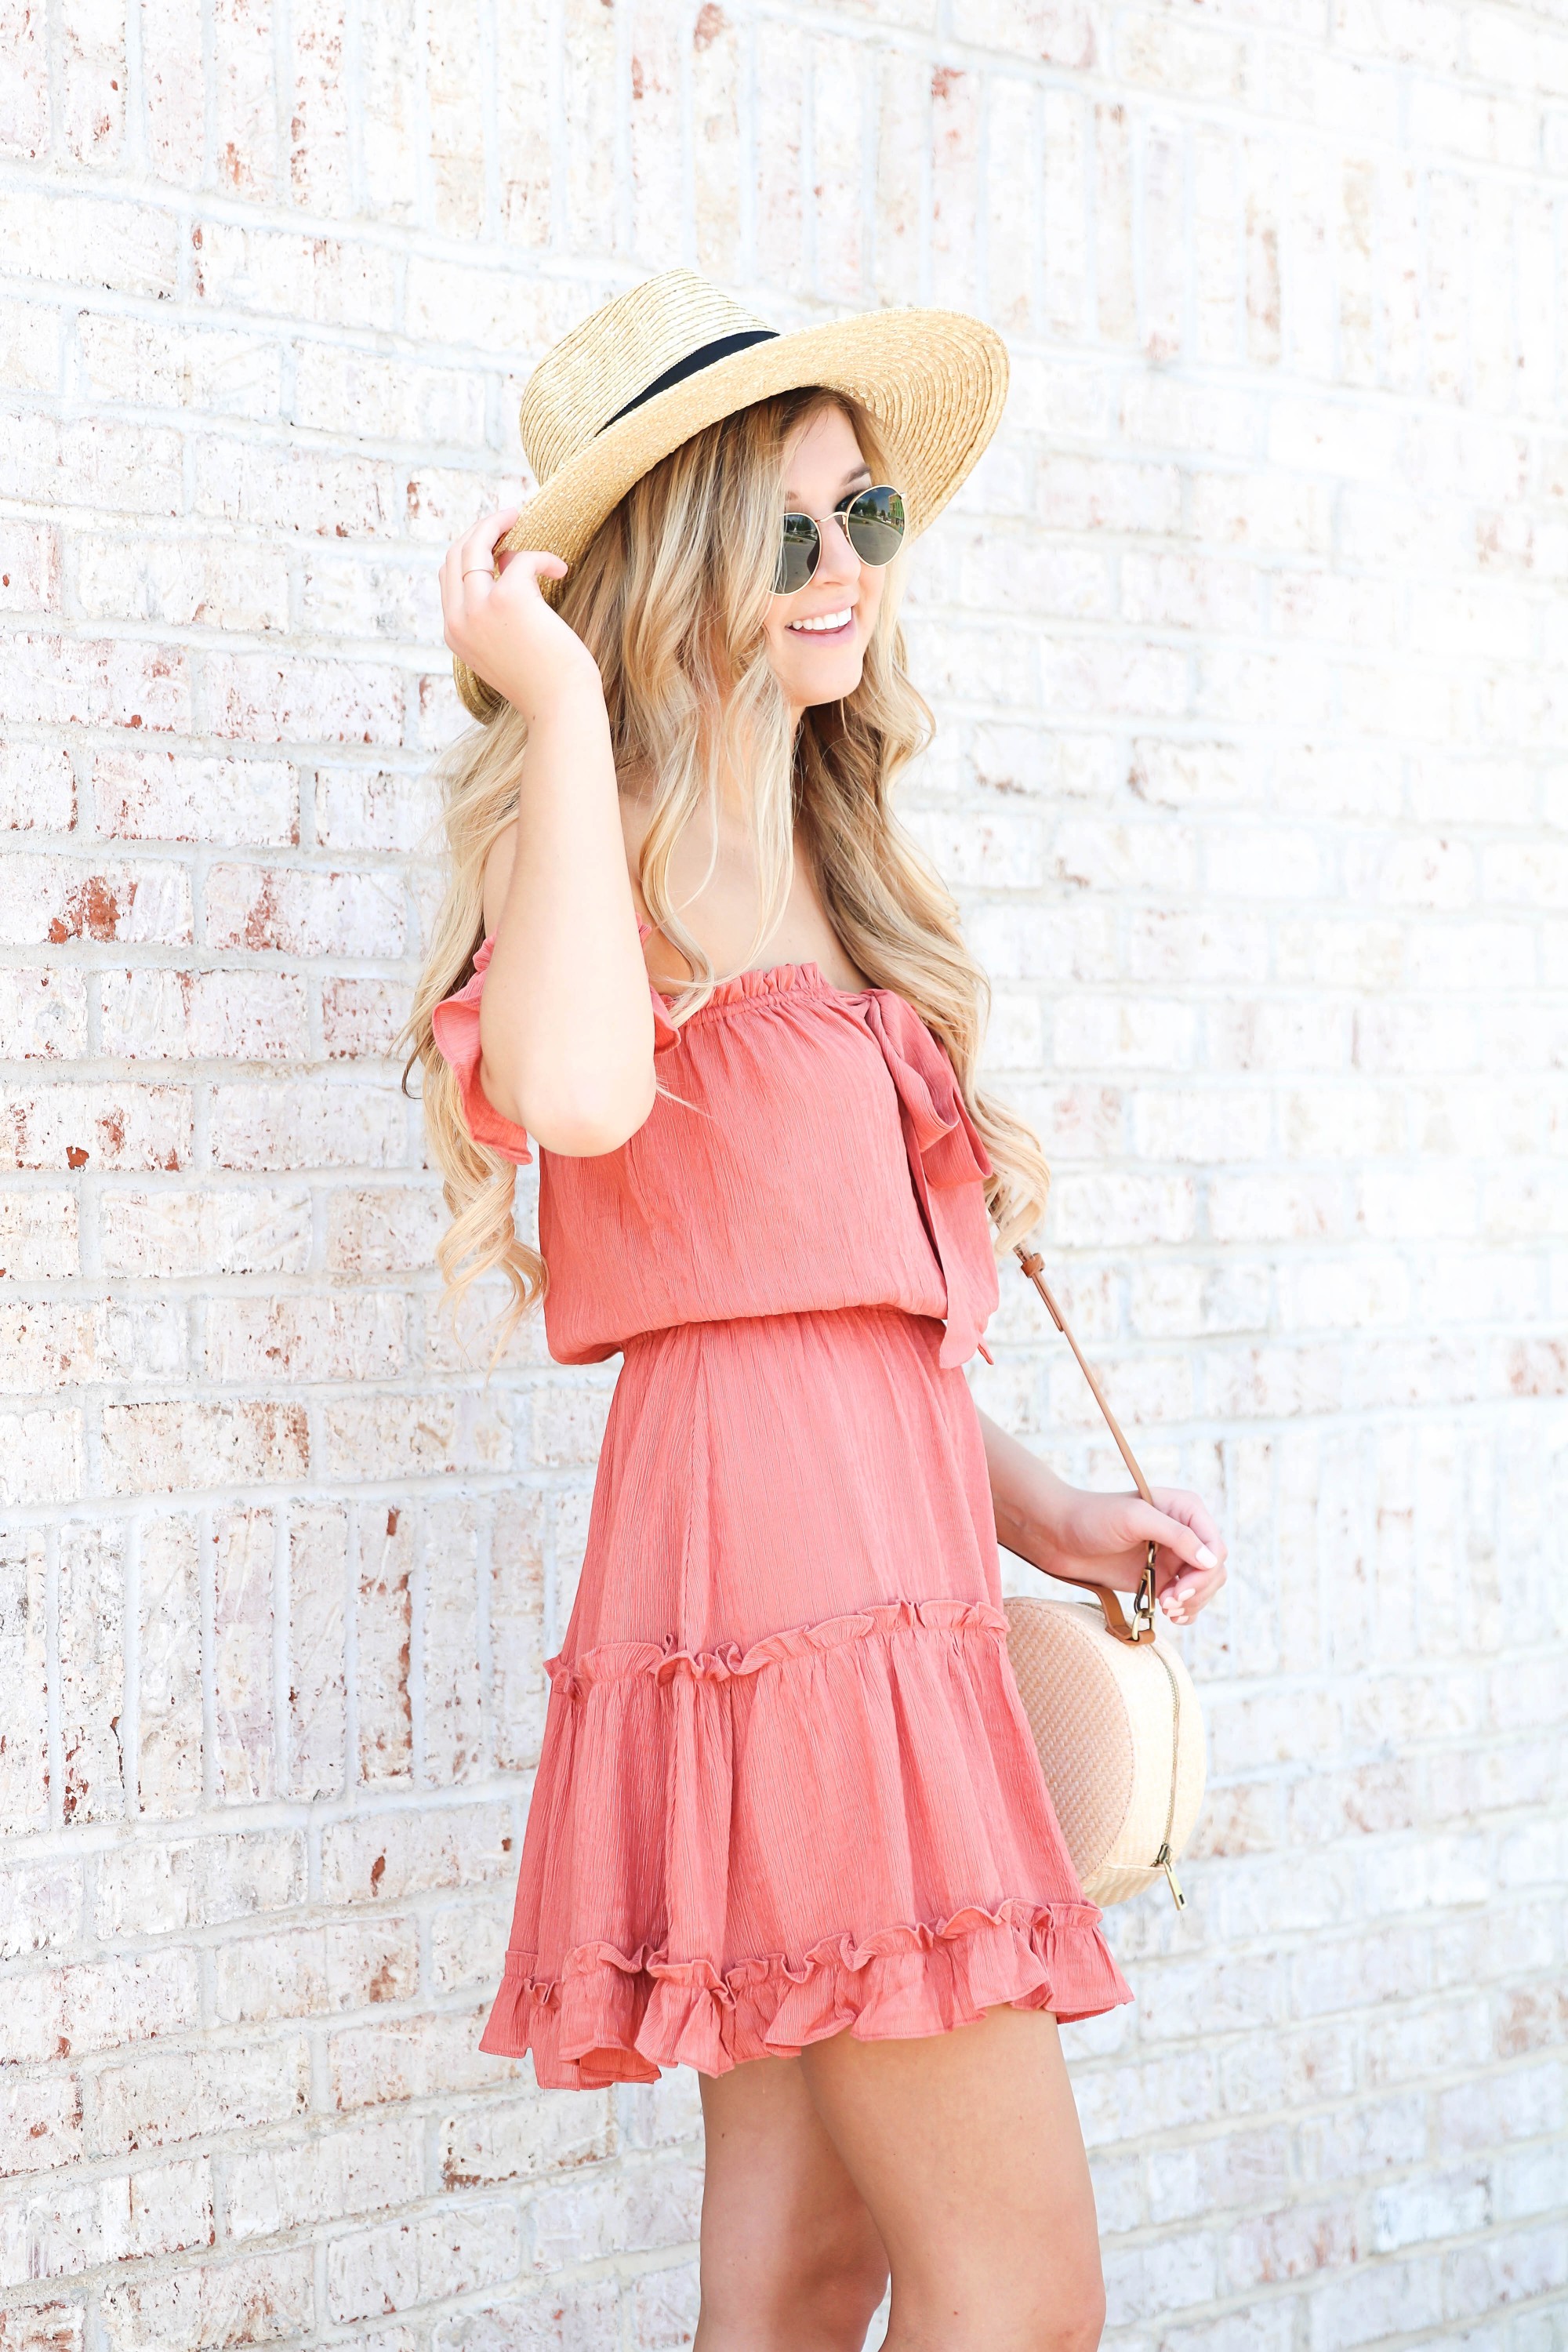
(844, 2285)
(1010, 2313)
(1080, 2326)
(816, 2297)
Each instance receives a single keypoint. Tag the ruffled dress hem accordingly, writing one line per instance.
(904, 1715)
(618, 2017)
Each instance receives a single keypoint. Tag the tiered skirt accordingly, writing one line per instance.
(786, 1788)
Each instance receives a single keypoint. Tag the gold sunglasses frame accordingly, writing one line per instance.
(837, 515)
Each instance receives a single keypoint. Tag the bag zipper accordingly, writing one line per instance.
(1162, 1859)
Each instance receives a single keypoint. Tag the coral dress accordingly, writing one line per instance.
(787, 1786)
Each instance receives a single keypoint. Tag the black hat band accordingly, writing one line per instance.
(693, 364)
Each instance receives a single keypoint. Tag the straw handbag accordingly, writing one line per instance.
(1113, 1711)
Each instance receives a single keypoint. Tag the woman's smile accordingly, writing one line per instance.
(826, 624)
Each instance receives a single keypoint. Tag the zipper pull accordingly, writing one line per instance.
(1162, 1862)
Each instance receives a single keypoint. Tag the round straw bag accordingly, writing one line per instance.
(1114, 1712)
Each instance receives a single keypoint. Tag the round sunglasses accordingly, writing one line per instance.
(872, 522)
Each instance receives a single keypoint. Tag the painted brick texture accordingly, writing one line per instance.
(1248, 649)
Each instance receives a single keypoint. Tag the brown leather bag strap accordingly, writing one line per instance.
(1141, 1626)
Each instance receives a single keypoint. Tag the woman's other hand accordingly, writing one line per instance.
(1106, 1538)
(1073, 1533)
(495, 619)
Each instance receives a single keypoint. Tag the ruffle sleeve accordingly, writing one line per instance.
(456, 1024)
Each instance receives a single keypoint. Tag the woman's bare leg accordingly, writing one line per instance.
(791, 2258)
(966, 2149)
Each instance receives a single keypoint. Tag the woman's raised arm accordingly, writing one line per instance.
(566, 1019)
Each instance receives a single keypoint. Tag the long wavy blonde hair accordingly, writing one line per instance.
(670, 599)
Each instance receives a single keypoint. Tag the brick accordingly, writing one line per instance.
(244, 1584)
(122, 2001)
(39, 1235)
(515, 2139)
(456, 1544)
(394, 1855)
(267, 699)
(41, 2123)
(389, 1436)
(211, 2305)
(275, 271)
(182, 583)
(319, 167)
(359, 808)
(218, 1229)
(56, 900)
(171, 796)
(391, 2268)
(29, 581)
(169, 1741)
(383, 1639)
(233, 1016)
(349, 1965)
(657, 2205)
(205, 1880)
(568, 1424)
(93, 1682)
(261, 907)
(156, 1448)
(186, 2094)
(159, 365)
(574, 2317)
(430, 2054)
(362, 1020)
(44, 1014)
(348, 597)
(37, 791)
(173, 83)
(40, 1909)
(94, 239)
(468, 1948)
(24, 1743)
(361, 2167)
(1121, 1034)
(40, 1457)
(42, 2327)
(45, 1347)
(111, 467)
(1524, 2103)
(517, 1630)
(318, 1577)
(666, 2304)
(353, 1338)
(308, 1124)
(94, 81)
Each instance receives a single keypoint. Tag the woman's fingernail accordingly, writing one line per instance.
(1204, 1558)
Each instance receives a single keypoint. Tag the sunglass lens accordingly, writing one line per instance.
(874, 523)
(797, 554)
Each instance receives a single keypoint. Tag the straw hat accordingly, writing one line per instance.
(656, 365)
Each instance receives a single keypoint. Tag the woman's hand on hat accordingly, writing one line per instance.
(495, 619)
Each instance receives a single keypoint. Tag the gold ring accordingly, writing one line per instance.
(475, 570)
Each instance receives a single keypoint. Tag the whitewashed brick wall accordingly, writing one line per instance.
(1249, 648)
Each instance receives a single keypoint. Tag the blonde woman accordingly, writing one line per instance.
(789, 1826)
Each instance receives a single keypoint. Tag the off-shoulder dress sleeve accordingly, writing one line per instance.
(455, 1023)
